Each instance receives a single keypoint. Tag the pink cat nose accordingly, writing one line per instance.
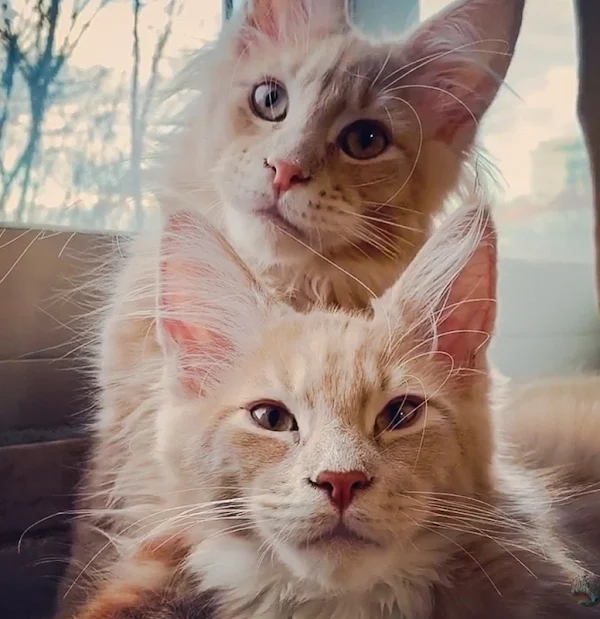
(341, 486)
(286, 174)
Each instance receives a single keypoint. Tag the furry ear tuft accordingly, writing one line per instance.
(210, 308)
(446, 298)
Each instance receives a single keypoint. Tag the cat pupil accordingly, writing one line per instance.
(274, 417)
(398, 414)
(366, 138)
(272, 98)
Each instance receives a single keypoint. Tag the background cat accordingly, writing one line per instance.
(322, 155)
(552, 426)
(329, 464)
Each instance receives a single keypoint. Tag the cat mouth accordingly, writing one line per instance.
(340, 534)
(273, 216)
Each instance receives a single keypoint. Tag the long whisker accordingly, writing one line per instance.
(460, 547)
(333, 264)
(424, 61)
(379, 220)
(419, 148)
(444, 91)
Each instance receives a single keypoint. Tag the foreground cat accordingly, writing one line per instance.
(326, 464)
(322, 156)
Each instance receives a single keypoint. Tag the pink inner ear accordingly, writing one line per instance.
(467, 320)
(263, 18)
(210, 308)
(455, 116)
(281, 20)
(198, 348)
(460, 58)
(453, 122)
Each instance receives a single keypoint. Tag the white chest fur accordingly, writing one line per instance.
(255, 585)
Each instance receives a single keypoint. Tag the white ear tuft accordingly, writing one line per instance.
(446, 298)
(210, 308)
(456, 63)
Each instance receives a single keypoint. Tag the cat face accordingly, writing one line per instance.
(321, 141)
(321, 436)
(328, 164)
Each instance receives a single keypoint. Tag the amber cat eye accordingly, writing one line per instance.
(399, 413)
(364, 139)
(273, 416)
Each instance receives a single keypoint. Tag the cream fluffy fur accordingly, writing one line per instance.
(450, 516)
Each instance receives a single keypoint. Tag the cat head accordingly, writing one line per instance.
(317, 441)
(315, 139)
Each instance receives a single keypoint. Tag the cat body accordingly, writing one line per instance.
(565, 441)
(326, 464)
(151, 585)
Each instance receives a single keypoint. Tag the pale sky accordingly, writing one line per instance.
(197, 22)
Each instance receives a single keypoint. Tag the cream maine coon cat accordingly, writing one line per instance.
(326, 465)
(318, 142)
(323, 156)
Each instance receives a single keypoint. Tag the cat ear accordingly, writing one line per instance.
(282, 20)
(446, 298)
(457, 61)
(210, 307)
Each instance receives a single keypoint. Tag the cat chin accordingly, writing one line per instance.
(314, 587)
(260, 242)
(337, 566)
(228, 562)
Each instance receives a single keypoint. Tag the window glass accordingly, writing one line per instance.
(76, 85)
(77, 78)
(543, 198)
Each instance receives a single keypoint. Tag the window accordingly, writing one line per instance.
(76, 86)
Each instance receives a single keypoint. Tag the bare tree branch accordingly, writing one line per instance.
(136, 138)
(30, 40)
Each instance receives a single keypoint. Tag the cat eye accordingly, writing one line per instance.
(399, 413)
(269, 101)
(273, 416)
(364, 139)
